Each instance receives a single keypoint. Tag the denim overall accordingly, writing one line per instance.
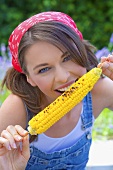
(72, 158)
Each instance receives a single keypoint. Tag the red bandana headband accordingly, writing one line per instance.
(19, 31)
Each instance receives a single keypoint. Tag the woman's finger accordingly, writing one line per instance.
(107, 69)
(4, 143)
(5, 134)
(109, 58)
(21, 131)
(107, 65)
(13, 130)
(103, 59)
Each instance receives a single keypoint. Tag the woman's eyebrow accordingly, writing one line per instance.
(40, 65)
(45, 64)
(64, 54)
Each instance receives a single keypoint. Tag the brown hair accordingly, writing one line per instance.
(59, 35)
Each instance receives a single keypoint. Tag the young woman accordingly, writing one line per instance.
(48, 55)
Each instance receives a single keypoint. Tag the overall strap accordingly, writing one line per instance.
(87, 115)
(29, 115)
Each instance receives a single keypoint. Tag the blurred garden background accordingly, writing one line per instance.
(93, 18)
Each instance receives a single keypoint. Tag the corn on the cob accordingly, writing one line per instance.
(64, 103)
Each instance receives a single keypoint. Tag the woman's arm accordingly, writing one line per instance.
(12, 112)
(14, 142)
(103, 89)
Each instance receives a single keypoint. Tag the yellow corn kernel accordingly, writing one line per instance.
(64, 103)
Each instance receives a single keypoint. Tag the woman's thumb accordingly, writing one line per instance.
(25, 147)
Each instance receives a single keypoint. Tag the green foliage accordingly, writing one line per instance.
(3, 94)
(103, 126)
(93, 18)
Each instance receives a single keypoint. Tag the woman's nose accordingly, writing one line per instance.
(61, 75)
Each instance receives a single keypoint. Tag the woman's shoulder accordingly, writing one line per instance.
(14, 100)
(13, 111)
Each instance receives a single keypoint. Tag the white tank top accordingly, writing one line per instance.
(49, 144)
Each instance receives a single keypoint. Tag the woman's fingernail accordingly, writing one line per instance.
(100, 65)
(25, 132)
(14, 146)
(18, 138)
(9, 148)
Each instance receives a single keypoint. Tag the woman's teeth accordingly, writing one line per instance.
(63, 89)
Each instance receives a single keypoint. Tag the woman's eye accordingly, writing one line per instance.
(67, 58)
(43, 70)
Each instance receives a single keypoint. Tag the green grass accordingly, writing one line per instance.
(103, 126)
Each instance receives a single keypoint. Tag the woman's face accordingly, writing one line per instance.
(51, 69)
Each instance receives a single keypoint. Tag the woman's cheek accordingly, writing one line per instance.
(44, 85)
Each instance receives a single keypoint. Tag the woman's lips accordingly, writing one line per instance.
(65, 86)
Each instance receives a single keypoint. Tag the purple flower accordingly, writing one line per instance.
(9, 53)
(111, 126)
(4, 65)
(3, 47)
(1, 59)
(111, 38)
(102, 53)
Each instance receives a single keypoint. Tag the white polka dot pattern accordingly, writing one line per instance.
(19, 31)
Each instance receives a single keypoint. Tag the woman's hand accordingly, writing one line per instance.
(107, 66)
(14, 148)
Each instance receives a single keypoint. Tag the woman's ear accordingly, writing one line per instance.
(30, 81)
